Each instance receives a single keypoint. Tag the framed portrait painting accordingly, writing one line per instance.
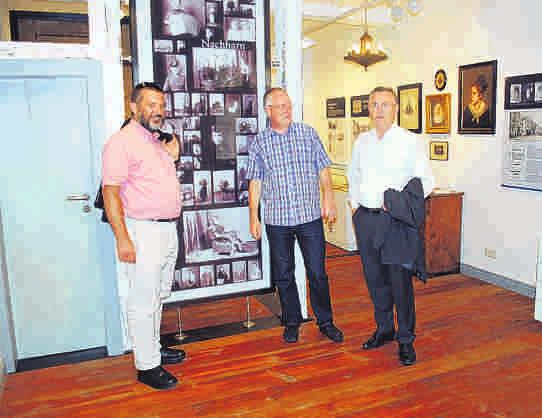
(409, 98)
(477, 98)
(438, 150)
(437, 113)
(523, 92)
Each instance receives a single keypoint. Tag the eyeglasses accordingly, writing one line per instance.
(382, 106)
(282, 106)
(148, 85)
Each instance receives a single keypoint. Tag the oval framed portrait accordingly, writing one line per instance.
(440, 79)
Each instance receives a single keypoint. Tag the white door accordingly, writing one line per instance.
(47, 186)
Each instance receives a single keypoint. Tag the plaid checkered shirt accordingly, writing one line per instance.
(289, 168)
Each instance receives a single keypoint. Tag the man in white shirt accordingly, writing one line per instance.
(386, 157)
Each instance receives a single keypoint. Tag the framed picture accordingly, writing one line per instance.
(523, 92)
(336, 107)
(477, 98)
(359, 106)
(409, 99)
(438, 150)
(437, 113)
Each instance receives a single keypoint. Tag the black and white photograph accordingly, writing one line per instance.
(181, 45)
(190, 140)
(239, 271)
(233, 104)
(515, 93)
(212, 13)
(197, 163)
(174, 78)
(538, 92)
(187, 193)
(242, 144)
(168, 106)
(242, 167)
(173, 126)
(186, 163)
(199, 104)
(186, 278)
(528, 92)
(207, 276)
(216, 136)
(164, 46)
(525, 125)
(250, 105)
(220, 68)
(247, 10)
(181, 104)
(246, 125)
(191, 123)
(216, 104)
(254, 271)
(237, 29)
(202, 188)
(181, 17)
(223, 274)
(223, 186)
(225, 150)
(186, 144)
(217, 234)
(231, 7)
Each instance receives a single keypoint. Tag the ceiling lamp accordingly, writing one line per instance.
(367, 54)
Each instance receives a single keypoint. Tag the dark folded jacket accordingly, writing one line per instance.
(400, 237)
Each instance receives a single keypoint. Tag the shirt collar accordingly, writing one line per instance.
(142, 130)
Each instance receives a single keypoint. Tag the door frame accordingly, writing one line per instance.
(92, 71)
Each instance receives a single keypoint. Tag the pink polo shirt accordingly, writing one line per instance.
(136, 161)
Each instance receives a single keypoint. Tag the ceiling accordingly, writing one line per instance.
(318, 14)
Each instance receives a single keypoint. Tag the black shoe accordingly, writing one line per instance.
(332, 332)
(172, 356)
(377, 340)
(290, 334)
(407, 355)
(157, 378)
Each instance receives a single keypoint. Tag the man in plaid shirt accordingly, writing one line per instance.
(287, 165)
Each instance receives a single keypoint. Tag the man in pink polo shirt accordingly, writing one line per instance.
(143, 203)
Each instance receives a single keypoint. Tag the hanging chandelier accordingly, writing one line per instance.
(367, 53)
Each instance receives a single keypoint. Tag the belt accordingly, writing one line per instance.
(165, 220)
(370, 210)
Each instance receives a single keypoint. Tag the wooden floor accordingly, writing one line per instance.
(479, 355)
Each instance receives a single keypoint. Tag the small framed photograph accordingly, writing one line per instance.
(437, 113)
(523, 92)
(438, 150)
(477, 98)
(359, 106)
(409, 98)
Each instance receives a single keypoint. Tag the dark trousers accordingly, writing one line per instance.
(389, 284)
(310, 237)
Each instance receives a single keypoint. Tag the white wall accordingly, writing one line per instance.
(447, 35)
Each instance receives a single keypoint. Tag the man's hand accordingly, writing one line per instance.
(172, 147)
(256, 228)
(126, 250)
(329, 210)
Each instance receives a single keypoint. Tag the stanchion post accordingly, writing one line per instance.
(248, 323)
(179, 336)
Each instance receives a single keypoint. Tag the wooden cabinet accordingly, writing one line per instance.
(443, 232)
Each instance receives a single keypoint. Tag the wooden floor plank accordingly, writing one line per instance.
(479, 351)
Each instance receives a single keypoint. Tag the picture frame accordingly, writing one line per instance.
(409, 100)
(438, 150)
(438, 113)
(477, 98)
(359, 106)
(523, 92)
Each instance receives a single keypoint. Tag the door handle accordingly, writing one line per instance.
(82, 196)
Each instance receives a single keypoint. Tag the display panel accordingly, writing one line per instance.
(210, 58)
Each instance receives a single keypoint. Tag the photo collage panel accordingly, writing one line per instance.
(205, 60)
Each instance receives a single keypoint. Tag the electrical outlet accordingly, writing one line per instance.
(490, 253)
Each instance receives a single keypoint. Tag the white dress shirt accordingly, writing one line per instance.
(388, 162)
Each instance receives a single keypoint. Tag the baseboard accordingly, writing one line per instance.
(62, 358)
(498, 280)
(2, 376)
